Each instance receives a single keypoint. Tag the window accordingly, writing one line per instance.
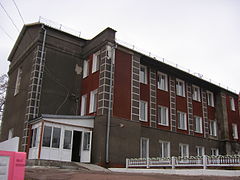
(47, 136)
(198, 124)
(67, 139)
(96, 61)
(163, 115)
(144, 148)
(182, 120)
(34, 137)
(196, 93)
(180, 87)
(162, 81)
(56, 137)
(143, 74)
(93, 101)
(143, 111)
(200, 151)
(83, 105)
(184, 150)
(10, 133)
(213, 127)
(164, 149)
(86, 141)
(85, 68)
(232, 104)
(210, 98)
(18, 81)
(214, 152)
(235, 131)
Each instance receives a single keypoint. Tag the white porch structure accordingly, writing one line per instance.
(61, 138)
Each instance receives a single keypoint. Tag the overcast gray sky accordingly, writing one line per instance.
(200, 35)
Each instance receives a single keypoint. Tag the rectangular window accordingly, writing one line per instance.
(198, 124)
(210, 98)
(162, 81)
(213, 127)
(67, 139)
(235, 131)
(182, 120)
(86, 141)
(96, 62)
(143, 111)
(34, 137)
(143, 74)
(10, 133)
(85, 68)
(232, 104)
(93, 101)
(144, 148)
(56, 137)
(196, 93)
(47, 136)
(200, 151)
(83, 105)
(180, 87)
(163, 115)
(164, 149)
(184, 150)
(18, 81)
(214, 152)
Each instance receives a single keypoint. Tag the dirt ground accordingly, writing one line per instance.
(66, 174)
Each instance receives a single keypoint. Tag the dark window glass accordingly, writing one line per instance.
(34, 137)
(47, 136)
(56, 137)
(67, 139)
(86, 141)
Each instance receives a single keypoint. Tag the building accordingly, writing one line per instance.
(73, 99)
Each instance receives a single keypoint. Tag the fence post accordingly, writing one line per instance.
(173, 162)
(204, 162)
(127, 162)
(147, 162)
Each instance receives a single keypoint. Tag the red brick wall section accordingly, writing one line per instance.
(122, 85)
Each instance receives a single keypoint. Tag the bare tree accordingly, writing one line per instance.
(3, 88)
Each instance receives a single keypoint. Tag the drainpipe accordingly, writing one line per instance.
(109, 104)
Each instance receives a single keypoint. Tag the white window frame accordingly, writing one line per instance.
(161, 111)
(162, 153)
(143, 79)
(235, 131)
(145, 111)
(10, 133)
(182, 123)
(93, 101)
(181, 150)
(213, 127)
(232, 104)
(198, 124)
(196, 93)
(141, 147)
(96, 62)
(210, 98)
(214, 152)
(85, 68)
(200, 150)
(84, 105)
(180, 87)
(18, 81)
(162, 82)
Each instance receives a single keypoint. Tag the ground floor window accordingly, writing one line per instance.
(200, 151)
(86, 141)
(184, 150)
(47, 136)
(164, 149)
(144, 148)
(34, 137)
(214, 151)
(67, 139)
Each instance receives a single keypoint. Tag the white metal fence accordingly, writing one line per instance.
(193, 161)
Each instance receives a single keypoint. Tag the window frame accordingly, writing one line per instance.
(165, 86)
(86, 142)
(185, 120)
(180, 90)
(210, 98)
(54, 129)
(213, 128)
(85, 68)
(198, 149)
(145, 111)
(162, 151)
(232, 104)
(234, 131)
(93, 101)
(141, 147)
(196, 95)
(144, 80)
(200, 121)
(181, 145)
(50, 139)
(96, 62)
(160, 110)
(34, 135)
(69, 145)
(214, 152)
(18, 81)
(84, 105)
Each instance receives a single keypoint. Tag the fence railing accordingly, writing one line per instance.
(192, 161)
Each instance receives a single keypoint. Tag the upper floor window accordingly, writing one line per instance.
(210, 98)
(214, 152)
(182, 120)
(18, 81)
(96, 62)
(162, 81)
(10, 133)
(143, 110)
(163, 115)
(198, 124)
(84, 105)
(184, 150)
(200, 151)
(235, 131)
(93, 101)
(143, 74)
(164, 149)
(213, 127)
(232, 104)
(85, 68)
(196, 93)
(144, 147)
(180, 87)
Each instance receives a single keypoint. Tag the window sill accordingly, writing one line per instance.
(166, 90)
(163, 124)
